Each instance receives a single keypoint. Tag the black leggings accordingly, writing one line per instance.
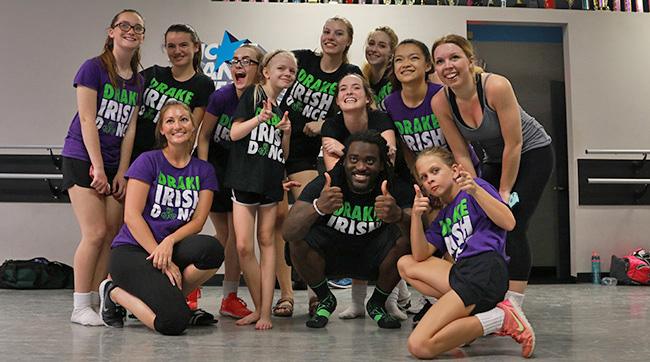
(535, 169)
(132, 272)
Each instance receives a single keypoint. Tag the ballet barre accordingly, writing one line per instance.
(616, 152)
(614, 181)
(30, 147)
(21, 167)
(619, 181)
(31, 176)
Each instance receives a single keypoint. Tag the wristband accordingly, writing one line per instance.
(316, 208)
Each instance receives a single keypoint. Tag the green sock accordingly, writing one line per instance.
(326, 307)
(377, 311)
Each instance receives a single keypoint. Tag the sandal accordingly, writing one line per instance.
(283, 307)
(200, 317)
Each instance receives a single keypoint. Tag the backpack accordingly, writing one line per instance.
(37, 273)
(633, 269)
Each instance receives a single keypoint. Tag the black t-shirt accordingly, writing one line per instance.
(310, 98)
(160, 86)
(356, 218)
(335, 127)
(256, 161)
(382, 89)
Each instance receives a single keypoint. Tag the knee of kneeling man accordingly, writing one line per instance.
(172, 324)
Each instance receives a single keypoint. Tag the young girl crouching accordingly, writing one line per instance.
(471, 227)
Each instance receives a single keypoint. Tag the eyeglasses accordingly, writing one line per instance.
(125, 27)
(241, 62)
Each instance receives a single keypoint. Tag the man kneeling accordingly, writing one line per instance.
(347, 223)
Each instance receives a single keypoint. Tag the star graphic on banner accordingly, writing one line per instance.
(226, 49)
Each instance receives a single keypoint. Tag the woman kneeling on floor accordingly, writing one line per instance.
(157, 258)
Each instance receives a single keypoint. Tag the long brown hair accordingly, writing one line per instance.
(350, 30)
(108, 59)
(187, 29)
(367, 68)
(366, 88)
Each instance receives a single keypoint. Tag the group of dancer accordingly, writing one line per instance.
(151, 154)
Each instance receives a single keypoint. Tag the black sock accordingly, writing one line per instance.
(379, 296)
(377, 311)
(321, 289)
(325, 308)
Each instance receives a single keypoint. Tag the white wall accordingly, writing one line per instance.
(43, 43)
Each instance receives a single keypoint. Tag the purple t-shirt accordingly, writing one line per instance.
(114, 110)
(173, 195)
(222, 104)
(417, 127)
(463, 229)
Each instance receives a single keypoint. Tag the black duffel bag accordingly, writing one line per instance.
(37, 273)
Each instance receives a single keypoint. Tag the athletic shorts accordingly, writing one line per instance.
(481, 280)
(251, 199)
(346, 257)
(77, 172)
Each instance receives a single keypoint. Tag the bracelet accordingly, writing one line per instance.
(316, 208)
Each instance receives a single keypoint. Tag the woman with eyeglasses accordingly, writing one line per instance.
(214, 146)
(96, 154)
(183, 80)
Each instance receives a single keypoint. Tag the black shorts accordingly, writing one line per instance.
(354, 256)
(77, 172)
(481, 280)
(222, 200)
(252, 199)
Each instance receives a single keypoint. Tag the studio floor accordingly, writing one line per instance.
(573, 322)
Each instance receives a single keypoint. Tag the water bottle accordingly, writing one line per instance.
(595, 268)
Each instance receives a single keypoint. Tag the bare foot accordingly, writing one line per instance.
(249, 319)
(263, 324)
